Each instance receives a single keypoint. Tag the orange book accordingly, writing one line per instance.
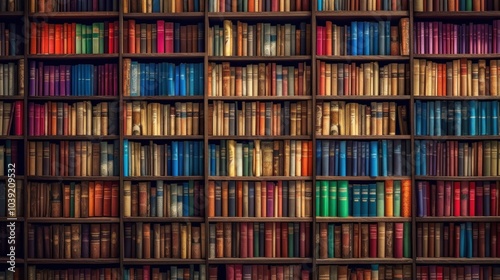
(322, 81)
(262, 118)
(45, 38)
(58, 37)
(225, 199)
(263, 199)
(51, 39)
(251, 6)
(305, 158)
(310, 156)
(280, 198)
(389, 198)
(131, 36)
(406, 198)
(73, 39)
(106, 204)
(329, 27)
(91, 199)
(239, 199)
(98, 196)
(211, 199)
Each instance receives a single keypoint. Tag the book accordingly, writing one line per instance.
(11, 118)
(36, 272)
(259, 6)
(238, 271)
(374, 271)
(164, 6)
(455, 6)
(53, 6)
(12, 78)
(362, 5)
(170, 272)
(11, 6)
(11, 43)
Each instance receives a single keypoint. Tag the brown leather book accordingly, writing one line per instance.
(96, 159)
(98, 198)
(76, 246)
(146, 240)
(115, 241)
(56, 201)
(175, 236)
(95, 241)
(105, 240)
(84, 200)
(323, 240)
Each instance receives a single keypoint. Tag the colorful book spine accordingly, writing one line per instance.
(12, 78)
(54, 6)
(163, 6)
(362, 5)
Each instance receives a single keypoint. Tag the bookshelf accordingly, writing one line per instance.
(411, 264)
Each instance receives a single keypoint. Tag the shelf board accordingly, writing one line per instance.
(75, 15)
(363, 97)
(11, 15)
(248, 59)
(73, 138)
(72, 98)
(483, 97)
(365, 261)
(18, 177)
(456, 178)
(260, 137)
(461, 15)
(72, 56)
(18, 260)
(170, 56)
(162, 261)
(261, 98)
(165, 16)
(362, 137)
(163, 219)
(462, 261)
(163, 138)
(260, 260)
(86, 261)
(108, 220)
(261, 178)
(295, 16)
(163, 98)
(259, 219)
(356, 15)
(362, 178)
(489, 219)
(344, 58)
(11, 58)
(13, 219)
(455, 56)
(458, 138)
(73, 178)
(10, 137)
(164, 178)
(362, 219)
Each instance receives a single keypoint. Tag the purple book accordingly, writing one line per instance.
(56, 80)
(68, 80)
(62, 80)
(51, 80)
(85, 241)
(32, 87)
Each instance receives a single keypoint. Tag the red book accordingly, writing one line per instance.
(457, 242)
(250, 240)
(169, 37)
(243, 240)
(106, 211)
(270, 199)
(160, 42)
(268, 250)
(456, 199)
(229, 272)
(278, 241)
(472, 198)
(464, 198)
(302, 245)
(284, 239)
(98, 194)
(398, 240)
(145, 272)
(18, 109)
(494, 199)
(440, 205)
(479, 199)
(238, 271)
(131, 36)
(373, 240)
(115, 198)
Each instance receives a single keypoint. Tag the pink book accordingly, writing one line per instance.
(319, 46)
(146, 272)
(422, 38)
(250, 240)
(464, 203)
(440, 199)
(160, 41)
(436, 38)
(494, 200)
(430, 38)
(31, 114)
(169, 37)
(472, 198)
(111, 38)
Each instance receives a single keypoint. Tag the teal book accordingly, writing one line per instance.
(397, 199)
(380, 199)
(343, 199)
(332, 202)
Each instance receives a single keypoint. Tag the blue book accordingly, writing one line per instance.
(337, 158)
(488, 117)
(387, 37)
(319, 158)
(356, 200)
(424, 119)
(361, 32)
(385, 155)
(185, 199)
(142, 80)
(331, 156)
(169, 160)
(354, 169)
(362, 156)
(397, 170)
(354, 38)
(482, 117)
(373, 158)
(472, 117)
(468, 228)
(195, 162)
(418, 117)
(376, 35)
(494, 117)
(152, 205)
(177, 80)
(372, 200)
(175, 158)
(191, 79)
(458, 118)
(125, 158)
(187, 157)
(180, 158)
(423, 158)
(320, 5)
(364, 200)
(437, 118)
(170, 79)
(201, 79)
(366, 38)
(156, 6)
(381, 40)
(371, 40)
(331, 236)
(182, 80)
(432, 118)
(342, 158)
(212, 159)
(145, 89)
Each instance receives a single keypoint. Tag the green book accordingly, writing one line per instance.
(95, 38)
(380, 199)
(84, 40)
(407, 240)
(290, 240)
(324, 199)
(332, 203)
(101, 37)
(397, 199)
(318, 205)
(89, 39)
(256, 241)
(78, 39)
(343, 197)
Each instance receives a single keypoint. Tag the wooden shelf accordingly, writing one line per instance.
(364, 97)
(75, 16)
(365, 261)
(457, 15)
(362, 219)
(73, 138)
(357, 15)
(158, 56)
(18, 260)
(349, 58)
(165, 16)
(164, 219)
(163, 138)
(11, 58)
(457, 138)
(260, 260)
(461, 261)
(485, 219)
(11, 15)
(262, 98)
(164, 178)
(261, 178)
(72, 98)
(362, 178)
(456, 97)
(250, 59)
(455, 56)
(88, 261)
(362, 137)
(103, 220)
(163, 98)
(73, 56)
(12, 219)
(10, 137)
(73, 178)
(261, 16)
(163, 261)
(18, 177)
(456, 178)
(259, 220)
(260, 137)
